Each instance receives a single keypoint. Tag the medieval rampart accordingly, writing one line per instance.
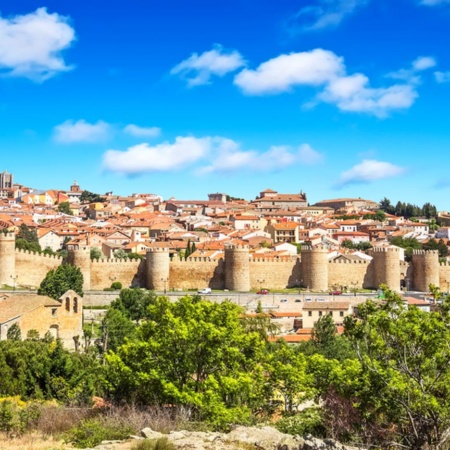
(196, 273)
(129, 272)
(348, 273)
(31, 268)
(236, 272)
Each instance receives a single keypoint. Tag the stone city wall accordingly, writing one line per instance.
(345, 273)
(31, 268)
(104, 272)
(274, 273)
(196, 273)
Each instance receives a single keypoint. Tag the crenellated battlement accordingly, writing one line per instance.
(350, 261)
(158, 250)
(279, 259)
(115, 261)
(385, 250)
(38, 254)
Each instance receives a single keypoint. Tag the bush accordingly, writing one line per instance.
(154, 444)
(91, 432)
(309, 421)
(17, 416)
(117, 285)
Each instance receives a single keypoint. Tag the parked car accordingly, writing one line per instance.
(205, 291)
(298, 300)
(283, 300)
(320, 299)
(336, 293)
(308, 299)
(263, 292)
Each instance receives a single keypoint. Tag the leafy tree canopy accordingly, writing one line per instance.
(60, 280)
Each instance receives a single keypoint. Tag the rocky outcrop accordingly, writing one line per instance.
(244, 438)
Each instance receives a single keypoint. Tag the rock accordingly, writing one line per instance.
(265, 438)
(148, 433)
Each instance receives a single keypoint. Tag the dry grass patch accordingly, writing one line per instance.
(30, 441)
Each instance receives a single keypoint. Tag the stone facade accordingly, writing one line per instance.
(236, 272)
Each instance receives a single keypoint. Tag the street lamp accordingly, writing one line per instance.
(261, 281)
(354, 287)
(165, 280)
(14, 278)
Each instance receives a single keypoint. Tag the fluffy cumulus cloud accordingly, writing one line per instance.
(163, 157)
(354, 94)
(198, 69)
(81, 131)
(369, 170)
(137, 131)
(325, 70)
(208, 154)
(323, 14)
(442, 77)
(31, 45)
(284, 72)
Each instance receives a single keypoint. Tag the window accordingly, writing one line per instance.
(75, 305)
(320, 313)
(330, 313)
(341, 313)
(309, 313)
(54, 310)
(67, 304)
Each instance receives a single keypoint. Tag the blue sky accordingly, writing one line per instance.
(335, 98)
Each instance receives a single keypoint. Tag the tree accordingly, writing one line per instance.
(90, 197)
(64, 208)
(14, 333)
(60, 280)
(405, 357)
(120, 254)
(27, 239)
(134, 303)
(96, 253)
(192, 353)
(116, 328)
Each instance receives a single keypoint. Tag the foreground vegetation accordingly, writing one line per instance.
(385, 383)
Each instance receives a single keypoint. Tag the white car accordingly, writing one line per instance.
(205, 291)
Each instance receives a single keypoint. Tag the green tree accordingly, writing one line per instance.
(64, 208)
(120, 253)
(134, 303)
(96, 253)
(405, 356)
(90, 197)
(192, 353)
(116, 328)
(14, 333)
(27, 239)
(60, 280)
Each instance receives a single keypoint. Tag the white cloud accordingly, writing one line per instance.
(81, 131)
(209, 154)
(308, 156)
(284, 72)
(31, 44)
(369, 170)
(138, 131)
(159, 158)
(325, 70)
(198, 69)
(325, 14)
(442, 77)
(434, 2)
(352, 93)
(423, 63)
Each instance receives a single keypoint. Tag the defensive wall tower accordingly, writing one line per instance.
(425, 269)
(386, 267)
(158, 265)
(237, 268)
(7, 259)
(81, 258)
(315, 268)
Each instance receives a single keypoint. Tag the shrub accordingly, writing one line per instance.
(154, 444)
(17, 416)
(91, 432)
(309, 421)
(117, 285)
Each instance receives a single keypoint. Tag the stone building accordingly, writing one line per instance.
(61, 318)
